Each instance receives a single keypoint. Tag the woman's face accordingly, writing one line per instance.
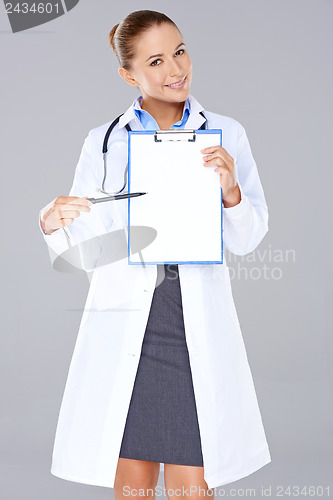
(161, 60)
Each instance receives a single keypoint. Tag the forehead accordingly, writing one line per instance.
(157, 39)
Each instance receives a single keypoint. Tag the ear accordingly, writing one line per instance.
(126, 75)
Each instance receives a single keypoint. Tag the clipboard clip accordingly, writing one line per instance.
(175, 135)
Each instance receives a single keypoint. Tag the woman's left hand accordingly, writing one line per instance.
(225, 166)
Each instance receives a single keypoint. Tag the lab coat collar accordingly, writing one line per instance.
(195, 120)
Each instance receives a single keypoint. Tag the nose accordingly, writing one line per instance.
(175, 68)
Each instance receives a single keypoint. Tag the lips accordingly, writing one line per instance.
(177, 84)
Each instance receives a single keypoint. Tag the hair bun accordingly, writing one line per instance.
(111, 36)
(124, 36)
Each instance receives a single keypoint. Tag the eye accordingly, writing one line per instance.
(180, 50)
(152, 64)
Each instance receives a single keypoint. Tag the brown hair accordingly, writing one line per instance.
(122, 36)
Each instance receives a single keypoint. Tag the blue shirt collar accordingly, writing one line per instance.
(149, 123)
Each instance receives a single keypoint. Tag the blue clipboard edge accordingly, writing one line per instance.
(152, 132)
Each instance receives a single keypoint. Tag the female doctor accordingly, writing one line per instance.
(159, 374)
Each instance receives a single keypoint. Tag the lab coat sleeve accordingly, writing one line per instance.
(245, 224)
(81, 246)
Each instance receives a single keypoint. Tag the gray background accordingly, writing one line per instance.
(265, 63)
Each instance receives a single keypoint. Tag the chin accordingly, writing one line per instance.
(181, 97)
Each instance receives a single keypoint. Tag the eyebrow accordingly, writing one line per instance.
(161, 55)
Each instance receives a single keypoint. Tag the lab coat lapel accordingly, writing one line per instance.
(195, 119)
(128, 115)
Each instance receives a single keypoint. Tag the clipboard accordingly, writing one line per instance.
(182, 206)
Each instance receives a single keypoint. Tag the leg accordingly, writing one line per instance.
(188, 480)
(135, 475)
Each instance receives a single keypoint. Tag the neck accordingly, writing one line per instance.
(165, 113)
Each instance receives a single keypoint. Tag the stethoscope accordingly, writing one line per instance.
(116, 194)
(105, 153)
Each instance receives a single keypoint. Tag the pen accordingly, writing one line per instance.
(116, 197)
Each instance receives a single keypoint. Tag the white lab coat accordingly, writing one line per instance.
(107, 350)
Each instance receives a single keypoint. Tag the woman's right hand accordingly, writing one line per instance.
(62, 211)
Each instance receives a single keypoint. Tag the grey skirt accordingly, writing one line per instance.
(162, 422)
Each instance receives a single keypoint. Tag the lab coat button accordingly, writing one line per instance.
(131, 354)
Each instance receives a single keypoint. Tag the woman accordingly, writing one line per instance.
(130, 401)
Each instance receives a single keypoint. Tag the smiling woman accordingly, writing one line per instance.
(163, 77)
(159, 374)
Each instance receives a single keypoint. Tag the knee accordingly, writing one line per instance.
(133, 476)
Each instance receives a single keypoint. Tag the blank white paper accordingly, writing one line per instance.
(183, 203)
